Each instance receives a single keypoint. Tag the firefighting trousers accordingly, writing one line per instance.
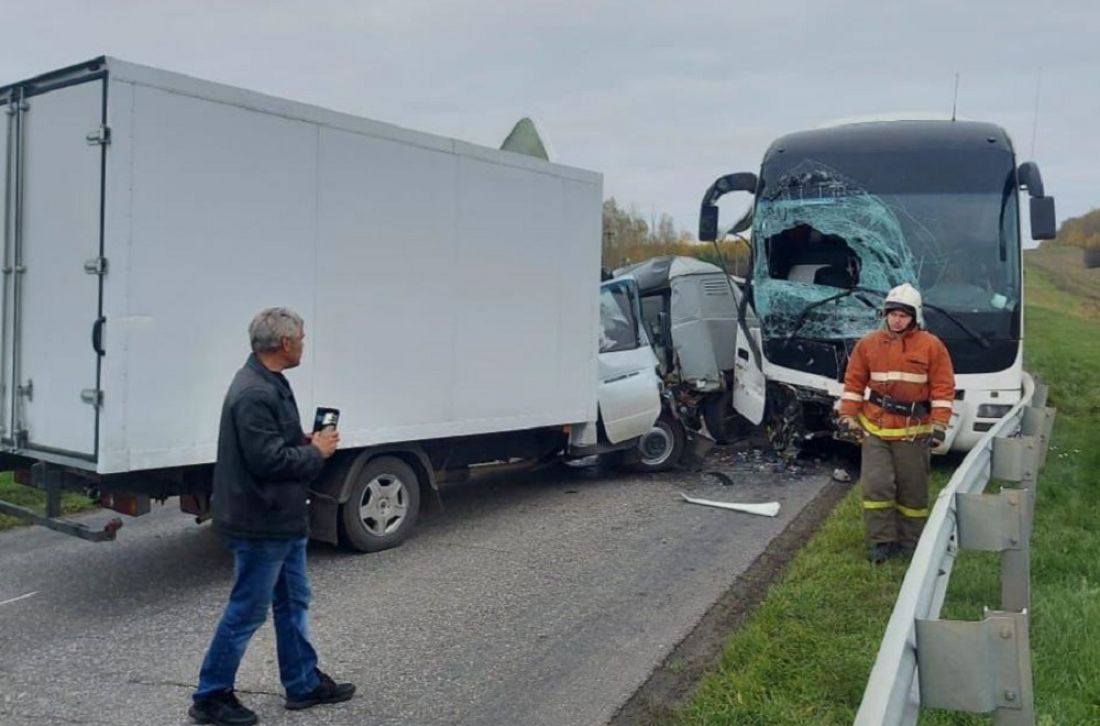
(894, 479)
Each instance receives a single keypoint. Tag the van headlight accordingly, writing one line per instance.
(993, 410)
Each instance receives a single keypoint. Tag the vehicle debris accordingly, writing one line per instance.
(723, 478)
(765, 509)
(841, 475)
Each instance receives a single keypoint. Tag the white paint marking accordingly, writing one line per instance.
(21, 597)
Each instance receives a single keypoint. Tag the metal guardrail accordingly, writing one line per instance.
(983, 666)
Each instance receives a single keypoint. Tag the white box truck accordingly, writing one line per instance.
(451, 295)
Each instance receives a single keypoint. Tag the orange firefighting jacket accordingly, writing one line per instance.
(910, 367)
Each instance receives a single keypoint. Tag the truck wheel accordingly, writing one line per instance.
(724, 424)
(382, 505)
(661, 448)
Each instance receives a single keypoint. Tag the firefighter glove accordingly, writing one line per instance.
(851, 423)
(939, 436)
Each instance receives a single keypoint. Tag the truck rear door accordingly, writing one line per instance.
(53, 329)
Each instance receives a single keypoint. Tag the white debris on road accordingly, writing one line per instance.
(766, 509)
(841, 475)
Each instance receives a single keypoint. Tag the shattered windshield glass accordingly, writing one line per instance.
(616, 323)
(819, 231)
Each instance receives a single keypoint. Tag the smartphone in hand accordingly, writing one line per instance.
(325, 418)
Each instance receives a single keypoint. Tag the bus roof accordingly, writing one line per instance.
(892, 136)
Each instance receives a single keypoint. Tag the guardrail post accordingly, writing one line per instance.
(1038, 421)
(1016, 460)
(982, 667)
(1001, 523)
(1039, 397)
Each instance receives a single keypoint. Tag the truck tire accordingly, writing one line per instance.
(382, 505)
(724, 424)
(661, 448)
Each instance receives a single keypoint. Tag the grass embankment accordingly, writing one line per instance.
(805, 654)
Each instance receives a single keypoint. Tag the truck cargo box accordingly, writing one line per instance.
(448, 289)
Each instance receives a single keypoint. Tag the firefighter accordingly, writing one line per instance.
(898, 391)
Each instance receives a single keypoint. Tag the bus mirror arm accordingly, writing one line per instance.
(1029, 177)
(744, 181)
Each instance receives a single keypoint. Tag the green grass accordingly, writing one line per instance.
(35, 499)
(804, 656)
(1062, 276)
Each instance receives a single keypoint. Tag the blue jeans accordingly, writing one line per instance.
(266, 573)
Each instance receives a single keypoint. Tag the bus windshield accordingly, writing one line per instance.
(946, 222)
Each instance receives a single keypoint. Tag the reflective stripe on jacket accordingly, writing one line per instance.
(910, 367)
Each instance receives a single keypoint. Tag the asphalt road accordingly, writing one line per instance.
(535, 599)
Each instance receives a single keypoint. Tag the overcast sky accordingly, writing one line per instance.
(661, 97)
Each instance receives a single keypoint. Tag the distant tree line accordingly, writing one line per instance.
(1083, 231)
(628, 238)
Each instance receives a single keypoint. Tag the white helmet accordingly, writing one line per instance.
(906, 298)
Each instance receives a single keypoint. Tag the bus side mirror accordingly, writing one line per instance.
(708, 223)
(1043, 224)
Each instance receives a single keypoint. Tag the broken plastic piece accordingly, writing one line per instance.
(766, 509)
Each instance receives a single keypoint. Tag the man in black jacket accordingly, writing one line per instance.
(261, 481)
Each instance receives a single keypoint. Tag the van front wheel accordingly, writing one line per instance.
(661, 447)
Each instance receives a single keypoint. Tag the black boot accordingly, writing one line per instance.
(221, 709)
(327, 691)
(883, 551)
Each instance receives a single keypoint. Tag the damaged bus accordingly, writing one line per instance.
(843, 214)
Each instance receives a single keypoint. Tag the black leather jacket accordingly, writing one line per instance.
(264, 466)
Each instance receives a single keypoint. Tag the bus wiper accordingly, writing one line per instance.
(814, 305)
(963, 326)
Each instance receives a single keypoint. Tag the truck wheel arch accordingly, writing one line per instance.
(333, 489)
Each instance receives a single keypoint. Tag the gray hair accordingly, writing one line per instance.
(271, 325)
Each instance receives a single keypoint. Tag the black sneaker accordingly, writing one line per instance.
(222, 709)
(327, 691)
(882, 552)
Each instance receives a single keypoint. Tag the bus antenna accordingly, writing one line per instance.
(1035, 117)
(955, 103)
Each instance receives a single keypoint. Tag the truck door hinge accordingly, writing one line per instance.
(99, 136)
(96, 266)
(27, 390)
(92, 396)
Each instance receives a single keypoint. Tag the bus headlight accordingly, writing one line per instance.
(993, 410)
